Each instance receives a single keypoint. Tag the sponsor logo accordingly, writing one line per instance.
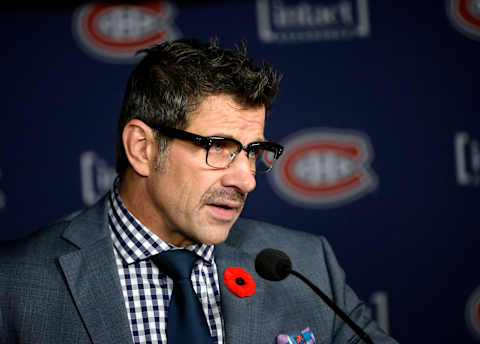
(324, 167)
(465, 16)
(96, 177)
(472, 313)
(3, 196)
(467, 160)
(287, 21)
(114, 32)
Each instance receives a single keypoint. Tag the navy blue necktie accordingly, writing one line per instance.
(186, 322)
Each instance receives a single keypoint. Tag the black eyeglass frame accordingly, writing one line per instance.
(208, 141)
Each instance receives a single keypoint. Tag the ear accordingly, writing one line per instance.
(139, 143)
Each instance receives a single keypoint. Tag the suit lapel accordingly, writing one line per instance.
(242, 316)
(93, 280)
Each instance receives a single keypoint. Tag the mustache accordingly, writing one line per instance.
(222, 194)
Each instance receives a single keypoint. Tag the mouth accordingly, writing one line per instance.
(224, 211)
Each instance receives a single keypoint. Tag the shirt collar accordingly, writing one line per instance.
(134, 241)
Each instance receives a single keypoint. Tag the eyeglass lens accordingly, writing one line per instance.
(222, 153)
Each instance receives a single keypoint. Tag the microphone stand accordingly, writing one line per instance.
(361, 333)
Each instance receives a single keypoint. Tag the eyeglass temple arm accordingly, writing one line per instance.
(184, 135)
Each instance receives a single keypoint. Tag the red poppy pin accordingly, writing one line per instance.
(239, 281)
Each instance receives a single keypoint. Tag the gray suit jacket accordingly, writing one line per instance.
(61, 285)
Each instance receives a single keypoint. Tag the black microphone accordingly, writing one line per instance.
(275, 265)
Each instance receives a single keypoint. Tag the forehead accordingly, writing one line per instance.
(221, 114)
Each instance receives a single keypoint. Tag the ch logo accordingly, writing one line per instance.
(472, 313)
(3, 196)
(114, 32)
(324, 167)
(465, 16)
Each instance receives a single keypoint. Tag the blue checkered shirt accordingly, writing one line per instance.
(147, 290)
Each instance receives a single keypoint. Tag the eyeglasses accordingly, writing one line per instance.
(222, 151)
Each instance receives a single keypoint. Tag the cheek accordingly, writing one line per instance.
(184, 196)
(187, 182)
(188, 189)
(192, 190)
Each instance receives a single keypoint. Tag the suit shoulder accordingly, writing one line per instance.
(255, 234)
(260, 228)
(42, 243)
(252, 236)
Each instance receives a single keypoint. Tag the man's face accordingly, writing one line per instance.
(191, 201)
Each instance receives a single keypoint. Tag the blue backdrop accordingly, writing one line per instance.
(378, 110)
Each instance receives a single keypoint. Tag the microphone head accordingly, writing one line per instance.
(273, 265)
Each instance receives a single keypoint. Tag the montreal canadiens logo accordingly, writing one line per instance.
(116, 31)
(465, 16)
(324, 168)
(472, 313)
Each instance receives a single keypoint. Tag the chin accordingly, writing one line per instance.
(218, 235)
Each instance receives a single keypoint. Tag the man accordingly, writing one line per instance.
(190, 143)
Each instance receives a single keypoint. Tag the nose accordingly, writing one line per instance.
(239, 174)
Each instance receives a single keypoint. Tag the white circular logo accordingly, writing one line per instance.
(472, 313)
(115, 32)
(324, 167)
(465, 16)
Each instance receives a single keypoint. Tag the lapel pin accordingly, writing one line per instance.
(304, 337)
(239, 281)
